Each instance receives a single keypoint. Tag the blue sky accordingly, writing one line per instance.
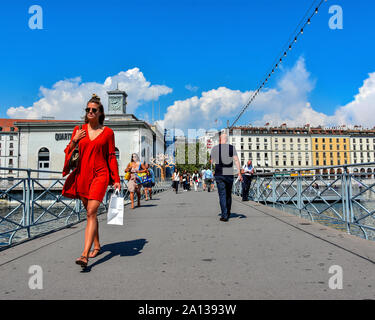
(202, 44)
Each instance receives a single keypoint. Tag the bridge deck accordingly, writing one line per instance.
(175, 247)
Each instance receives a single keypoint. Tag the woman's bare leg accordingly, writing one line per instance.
(132, 199)
(92, 226)
(139, 197)
(96, 236)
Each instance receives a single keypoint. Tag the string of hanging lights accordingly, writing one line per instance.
(299, 30)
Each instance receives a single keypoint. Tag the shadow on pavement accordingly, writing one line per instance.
(122, 249)
(235, 215)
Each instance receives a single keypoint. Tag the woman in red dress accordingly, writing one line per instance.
(97, 168)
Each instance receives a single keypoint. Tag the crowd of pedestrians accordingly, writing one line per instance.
(197, 180)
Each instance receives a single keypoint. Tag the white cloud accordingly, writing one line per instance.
(67, 98)
(361, 110)
(287, 102)
(191, 88)
(200, 112)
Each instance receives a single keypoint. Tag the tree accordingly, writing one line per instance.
(196, 161)
(162, 161)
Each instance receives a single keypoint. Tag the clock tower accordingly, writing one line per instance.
(116, 102)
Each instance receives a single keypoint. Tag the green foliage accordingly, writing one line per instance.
(191, 167)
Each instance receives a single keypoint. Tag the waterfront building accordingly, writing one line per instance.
(40, 144)
(330, 147)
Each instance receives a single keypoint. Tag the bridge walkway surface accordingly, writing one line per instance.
(174, 247)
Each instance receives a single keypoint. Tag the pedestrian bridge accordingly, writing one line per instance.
(175, 247)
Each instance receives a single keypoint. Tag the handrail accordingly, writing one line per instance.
(346, 200)
(32, 206)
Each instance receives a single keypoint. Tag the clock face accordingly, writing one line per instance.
(116, 104)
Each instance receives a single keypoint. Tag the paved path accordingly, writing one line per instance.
(175, 247)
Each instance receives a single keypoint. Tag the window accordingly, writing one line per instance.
(10, 152)
(10, 145)
(10, 162)
(11, 137)
(43, 158)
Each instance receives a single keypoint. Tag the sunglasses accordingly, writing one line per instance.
(93, 110)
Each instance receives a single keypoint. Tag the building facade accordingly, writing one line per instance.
(275, 149)
(40, 144)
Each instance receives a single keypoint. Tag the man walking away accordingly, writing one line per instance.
(208, 179)
(223, 156)
(247, 174)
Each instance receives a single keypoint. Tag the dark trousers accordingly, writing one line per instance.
(246, 183)
(175, 185)
(224, 188)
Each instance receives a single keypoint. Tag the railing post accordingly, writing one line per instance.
(349, 205)
(27, 218)
(273, 186)
(299, 193)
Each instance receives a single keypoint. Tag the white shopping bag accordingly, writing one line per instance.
(116, 209)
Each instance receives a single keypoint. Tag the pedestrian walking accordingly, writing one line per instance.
(188, 181)
(196, 179)
(184, 180)
(147, 187)
(208, 180)
(96, 169)
(223, 155)
(176, 179)
(134, 167)
(247, 174)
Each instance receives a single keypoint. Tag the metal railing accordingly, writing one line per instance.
(31, 204)
(334, 195)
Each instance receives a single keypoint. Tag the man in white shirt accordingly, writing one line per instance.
(247, 174)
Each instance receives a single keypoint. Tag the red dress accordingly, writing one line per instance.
(96, 169)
